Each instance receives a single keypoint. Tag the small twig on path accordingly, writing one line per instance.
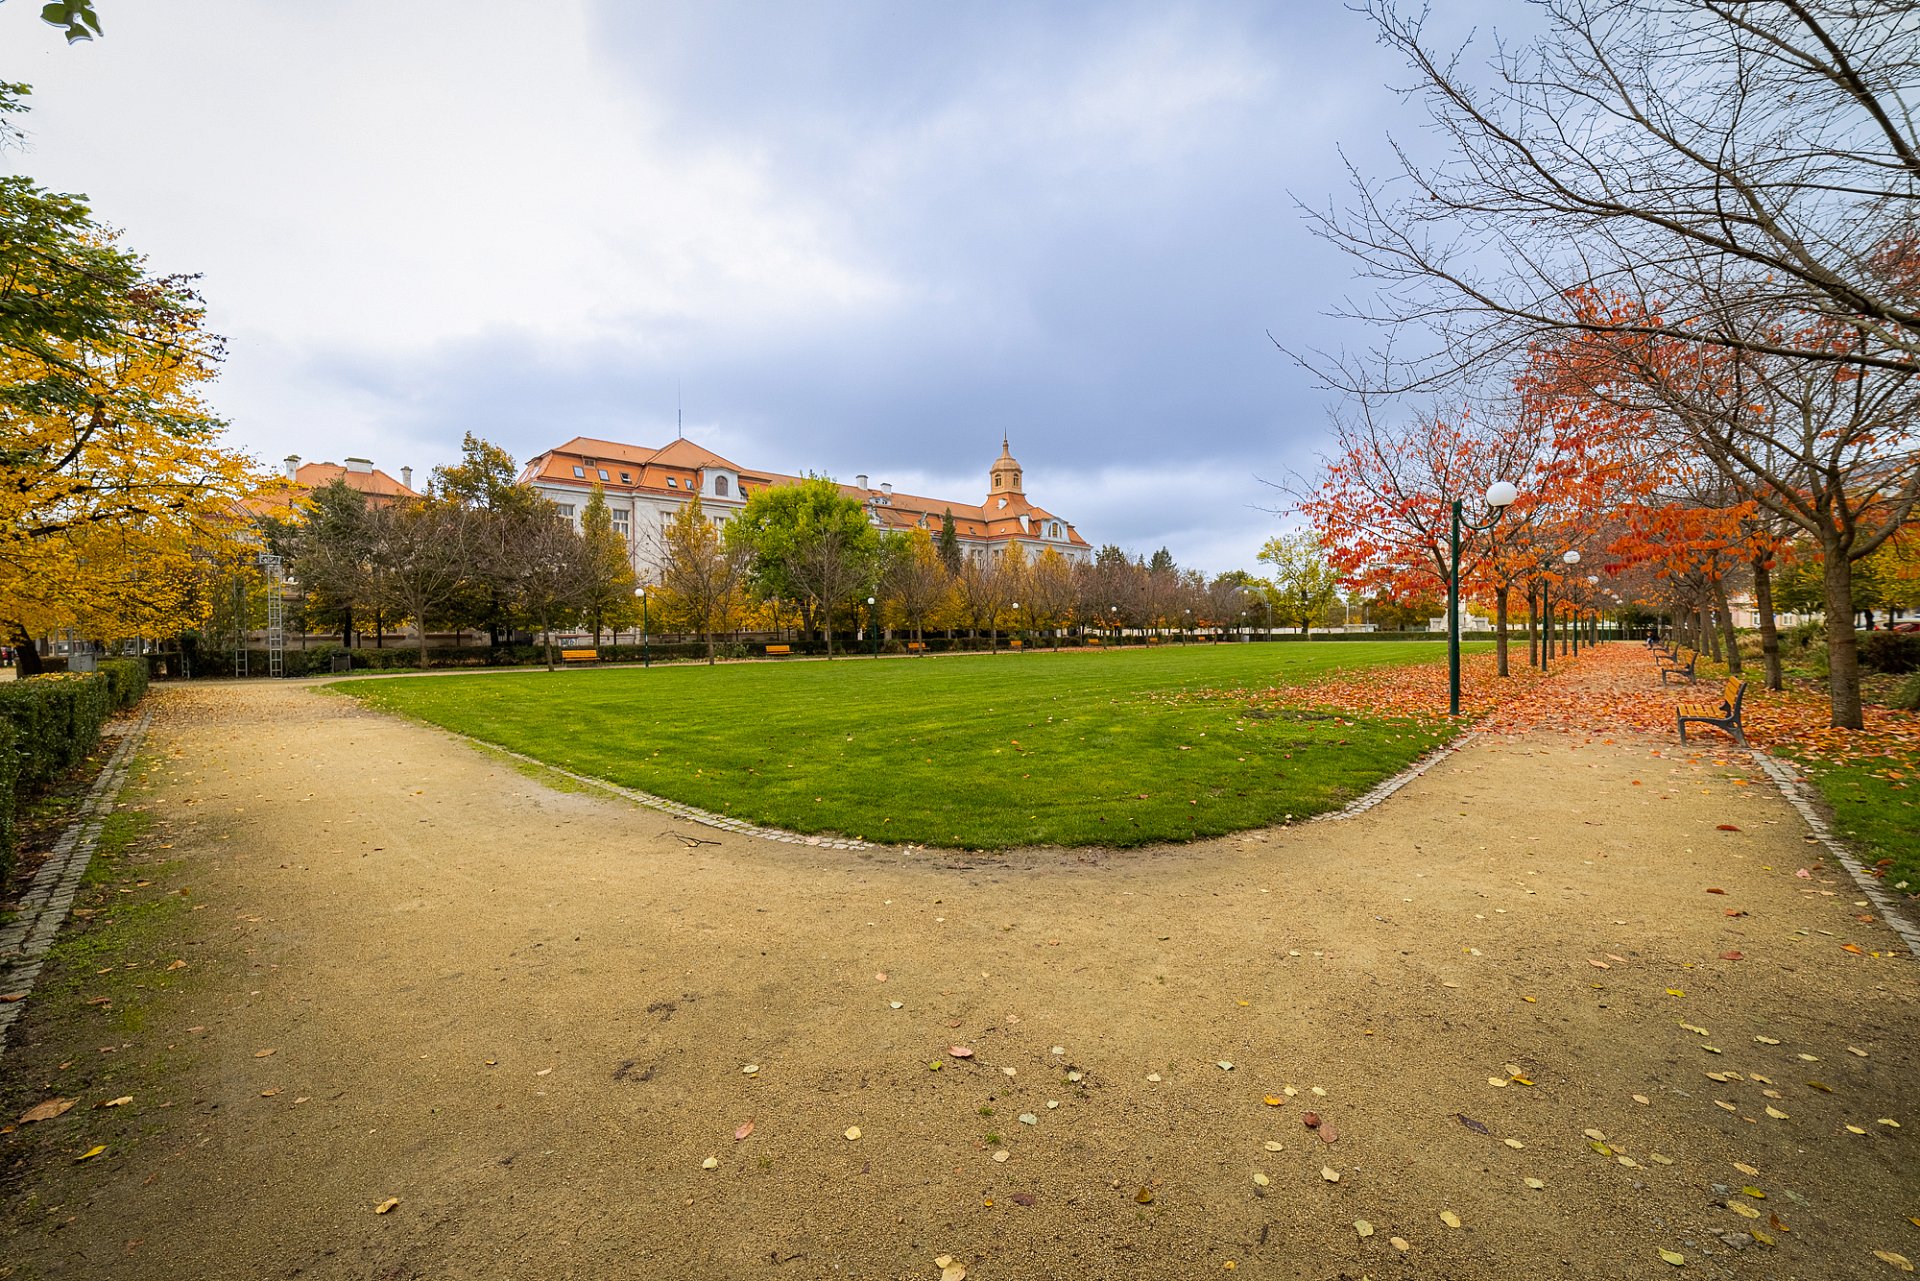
(691, 841)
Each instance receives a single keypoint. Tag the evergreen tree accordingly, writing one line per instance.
(949, 544)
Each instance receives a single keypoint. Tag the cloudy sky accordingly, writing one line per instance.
(851, 237)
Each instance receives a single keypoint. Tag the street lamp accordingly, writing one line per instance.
(1571, 558)
(646, 627)
(1500, 496)
(1016, 621)
(1113, 625)
(1593, 594)
(1186, 626)
(873, 609)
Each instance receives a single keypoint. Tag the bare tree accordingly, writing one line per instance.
(421, 552)
(550, 575)
(1698, 159)
(917, 581)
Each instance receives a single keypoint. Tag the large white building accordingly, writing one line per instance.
(644, 488)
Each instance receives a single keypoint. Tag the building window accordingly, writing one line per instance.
(620, 525)
(1055, 532)
(672, 483)
(565, 509)
(580, 473)
(999, 481)
(602, 473)
(720, 486)
(626, 478)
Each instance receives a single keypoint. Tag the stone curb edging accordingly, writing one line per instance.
(706, 818)
(24, 944)
(1381, 791)
(1793, 787)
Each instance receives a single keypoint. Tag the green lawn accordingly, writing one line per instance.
(1877, 816)
(980, 751)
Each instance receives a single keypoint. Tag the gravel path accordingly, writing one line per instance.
(528, 1015)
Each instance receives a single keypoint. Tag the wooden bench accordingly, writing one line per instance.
(1153, 640)
(1674, 667)
(1724, 715)
(779, 651)
(916, 647)
(1092, 640)
(579, 655)
(1015, 644)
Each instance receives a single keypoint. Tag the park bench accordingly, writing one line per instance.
(1153, 640)
(1014, 644)
(779, 651)
(1675, 667)
(579, 655)
(1724, 715)
(916, 647)
(1093, 640)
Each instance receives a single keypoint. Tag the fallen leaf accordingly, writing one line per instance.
(386, 1206)
(1224, 1066)
(1897, 1260)
(1274, 1100)
(1777, 1223)
(954, 1272)
(745, 1129)
(1715, 890)
(1476, 1126)
(1515, 1144)
(1726, 827)
(1330, 1174)
(90, 1153)
(125, 1099)
(1744, 1168)
(711, 1163)
(261, 1054)
(1449, 1218)
(1674, 1257)
(1144, 1196)
(1536, 1185)
(1733, 956)
(1742, 1209)
(1364, 1228)
(1641, 1098)
(1261, 1180)
(1857, 1053)
(1310, 1119)
(1023, 1198)
(1753, 1192)
(960, 1051)
(1327, 1133)
(1599, 965)
(750, 1069)
(1399, 1243)
(853, 1133)
(1776, 1114)
(1002, 1155)
(46, 1110)
(1271, 1146)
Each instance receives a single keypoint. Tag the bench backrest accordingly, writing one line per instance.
(1732, 693)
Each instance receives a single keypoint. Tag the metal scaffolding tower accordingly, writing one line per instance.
(239, 624)
(276, 613)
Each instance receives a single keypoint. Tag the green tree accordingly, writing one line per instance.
(547, 570)
(419, 559)
(609, 603)
(807, 543)
(331, 553)
(1303, 583)
(484, 482)
(950, 543)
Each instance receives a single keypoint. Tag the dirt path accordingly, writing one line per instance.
(526, 1014)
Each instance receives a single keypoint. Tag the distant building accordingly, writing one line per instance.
(644, 488)
(358, 473)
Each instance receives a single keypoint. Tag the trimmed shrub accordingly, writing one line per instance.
(1892, 652)
(48, 725)
(1907, 697)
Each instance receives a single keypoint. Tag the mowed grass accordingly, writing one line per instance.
(976, 751)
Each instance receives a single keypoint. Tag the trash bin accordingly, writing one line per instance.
(341, 663)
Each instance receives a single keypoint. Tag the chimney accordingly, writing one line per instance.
(886, 487)
(293, 465)
(364, 465)
(406, 477)
(860, 481)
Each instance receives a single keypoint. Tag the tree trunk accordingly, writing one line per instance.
(1843, 656)
(1500, 628)
(546, 635)
(1533, 624)
(26, 654)
(1727, 635)
(423, 647)
(710, 659)
(1769, 633)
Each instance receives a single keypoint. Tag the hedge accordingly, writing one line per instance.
(49, 724)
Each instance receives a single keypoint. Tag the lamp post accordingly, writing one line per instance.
(646, 628)
(873, 610)
(1571, 558)
(1113, 623)
(1593, 594)
(1500, 496)
(1016, 625)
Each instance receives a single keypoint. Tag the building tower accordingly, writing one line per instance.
(1005, 477)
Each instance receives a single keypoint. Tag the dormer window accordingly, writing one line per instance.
(579, 473)
(601, 472)
(1003, 502)
(626, 478)
(720, 486)
(672, 483)
(998, 481)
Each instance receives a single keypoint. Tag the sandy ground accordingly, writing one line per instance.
(526, 1014)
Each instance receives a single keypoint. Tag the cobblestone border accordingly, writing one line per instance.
(706, 818)
(1793, 786)
(24, 944)
(1381, 791)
